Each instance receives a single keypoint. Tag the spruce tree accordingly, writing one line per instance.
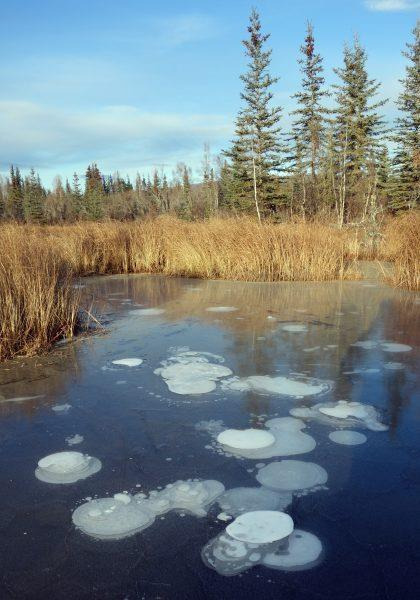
(94, 193)
(309, 126)
(358, 131)
(406, 192)
(77, 200)
(15, 195)
(34, 196)
(184, 210)
(254, 154)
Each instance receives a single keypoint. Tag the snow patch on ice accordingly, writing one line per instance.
(190, 372)
(61, 408)
(302, 552)
(245, 439)
(277, 385)
(342, 414)
(66, 467)
(261, 527)
(394, 347)
(128, 362)
(75, 439)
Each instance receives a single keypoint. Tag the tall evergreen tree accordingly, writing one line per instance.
(77, 199)
(15, 195)
(34, 196)
(358, 130)
(254, 154)
(94, 193)
(406, 192)
(309, 125)
(184, 210)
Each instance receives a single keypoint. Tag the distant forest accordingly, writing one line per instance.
(342, 162)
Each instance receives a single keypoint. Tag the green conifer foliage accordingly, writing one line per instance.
(14, 206)
(308, 131)
(406, 191)
(358, 130)
(94, 193)
(255, 151)
(34, 196)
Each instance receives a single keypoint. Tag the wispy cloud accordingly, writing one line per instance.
(116, 136)
(392, 5)
(184, 29)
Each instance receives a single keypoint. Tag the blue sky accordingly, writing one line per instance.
(135, 85)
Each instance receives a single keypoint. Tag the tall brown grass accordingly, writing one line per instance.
(38, 303)
(401, 246)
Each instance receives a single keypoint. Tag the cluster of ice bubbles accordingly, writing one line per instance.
(265, 538)
(342, 414)
(260, 533)
(283, 437)
(385, 346)
(66, 467)
(188, 372)
(124, 515)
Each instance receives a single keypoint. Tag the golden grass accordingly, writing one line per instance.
(401, 246)
(239, 249)
(38, 304)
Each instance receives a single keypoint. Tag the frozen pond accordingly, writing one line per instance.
(220, 440)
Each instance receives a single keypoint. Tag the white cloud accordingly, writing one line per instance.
(392, 5)
(117, 137)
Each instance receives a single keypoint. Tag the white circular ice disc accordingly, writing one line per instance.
(261, 527)
(63, 462)
(246, 439)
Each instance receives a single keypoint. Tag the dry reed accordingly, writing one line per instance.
(38, 304)
(401, 246)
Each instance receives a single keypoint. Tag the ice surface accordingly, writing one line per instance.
(112, 518)
(66, 467)
(128, 362)
(125, 515)
(21, 398)
(75, 439)
(288, 439)
(237, 501)
(189, 372)
(347, 437)
(246, 439)
(292, 475)
(393, 366)
(303, 550)
(190, 496)
(394, 347)
(147, 312)
(261, 527)
(61, 408)
(366, 344)
(295, 327)
(277, 385)
(221, 309)
(342, 414)
(228, 556)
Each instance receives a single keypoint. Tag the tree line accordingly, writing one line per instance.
(335, 160)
